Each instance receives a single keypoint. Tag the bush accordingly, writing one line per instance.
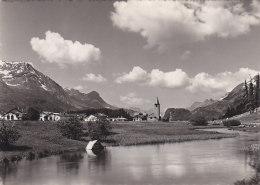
(98, 129)
(231, 123)
(8, 136)
(199, 121)
(31, 114)
(72, 128)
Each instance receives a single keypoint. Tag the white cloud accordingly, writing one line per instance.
(136, 75)
(185, 55)
(202, 82)
(94, 78)
(133, 99)
(164, 23)
(172, 79)
(221, 82)
(55, 49)
(78, 87)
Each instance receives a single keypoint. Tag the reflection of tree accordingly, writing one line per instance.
(254, 162)
(99, 161)
(6, 169)
(70, 162)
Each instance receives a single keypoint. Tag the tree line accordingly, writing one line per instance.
(251, 94)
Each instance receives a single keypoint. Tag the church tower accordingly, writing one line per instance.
(158, 107)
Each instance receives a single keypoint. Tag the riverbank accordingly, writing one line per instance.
(41, 139)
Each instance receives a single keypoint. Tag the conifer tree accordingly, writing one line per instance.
(251, 96)
(257, 91)
(245, 92)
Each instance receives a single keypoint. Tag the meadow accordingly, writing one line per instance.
(41, 139)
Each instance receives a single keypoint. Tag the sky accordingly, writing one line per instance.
(134, 51)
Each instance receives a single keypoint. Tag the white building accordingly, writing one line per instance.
(13, 115)
(91, 118)
(49, 116)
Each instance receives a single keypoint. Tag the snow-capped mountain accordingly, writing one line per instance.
(22, 86)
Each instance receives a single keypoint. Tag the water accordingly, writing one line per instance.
(198, 162)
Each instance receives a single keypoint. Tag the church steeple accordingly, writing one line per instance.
(158, 106)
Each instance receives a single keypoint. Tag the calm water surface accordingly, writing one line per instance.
(198, 162)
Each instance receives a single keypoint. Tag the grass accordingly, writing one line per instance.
(41, 139)
(131, 133)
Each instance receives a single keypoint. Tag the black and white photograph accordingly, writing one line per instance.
(129, 92)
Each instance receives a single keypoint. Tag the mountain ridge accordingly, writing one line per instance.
(21, 85)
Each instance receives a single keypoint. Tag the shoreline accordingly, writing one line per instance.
(41, 144)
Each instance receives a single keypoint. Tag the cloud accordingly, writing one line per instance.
(172, 79)
(202, 82)
(136, 75)
(165, 23)
(133, 99)
(221, 82)
(94, 78)
(78, 87)
(55, 49)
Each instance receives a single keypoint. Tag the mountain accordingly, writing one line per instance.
(91, 100)
(201, 104)
(177, 114)
(23, 86)
(218, 109)
(212, 109)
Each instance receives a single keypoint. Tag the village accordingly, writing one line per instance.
(17, 114)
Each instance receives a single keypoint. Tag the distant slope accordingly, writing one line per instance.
(212, 109)
(91, 100)
(177, 114)
(201, 104)
(23, 86)
(219, 108)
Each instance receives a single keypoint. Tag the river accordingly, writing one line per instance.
(197, 162)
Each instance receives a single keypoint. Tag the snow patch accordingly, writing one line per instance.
(11, 84)
(44, 87)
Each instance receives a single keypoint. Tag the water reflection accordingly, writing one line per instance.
(7, 169)
(69, 162)
(99, 161)
(198, 162)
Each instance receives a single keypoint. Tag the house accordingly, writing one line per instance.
(91, 118)
(49, 116)
(152, 117)
(140, 117)
(117, 119)
(44, 116)
(13, 115)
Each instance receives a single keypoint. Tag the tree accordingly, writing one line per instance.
(251, 96)
(8, 136)
(98, 129)
(31, 114)
(257, 91)
(71, 128)
(246, 92)
(199, 121)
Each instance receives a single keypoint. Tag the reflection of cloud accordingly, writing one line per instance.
(137, 172)
(176, 170)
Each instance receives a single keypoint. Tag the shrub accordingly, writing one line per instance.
(98, 129)
(199, 121)
(72, 128)
(8, 136)
(231, 123)
(31, 114)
